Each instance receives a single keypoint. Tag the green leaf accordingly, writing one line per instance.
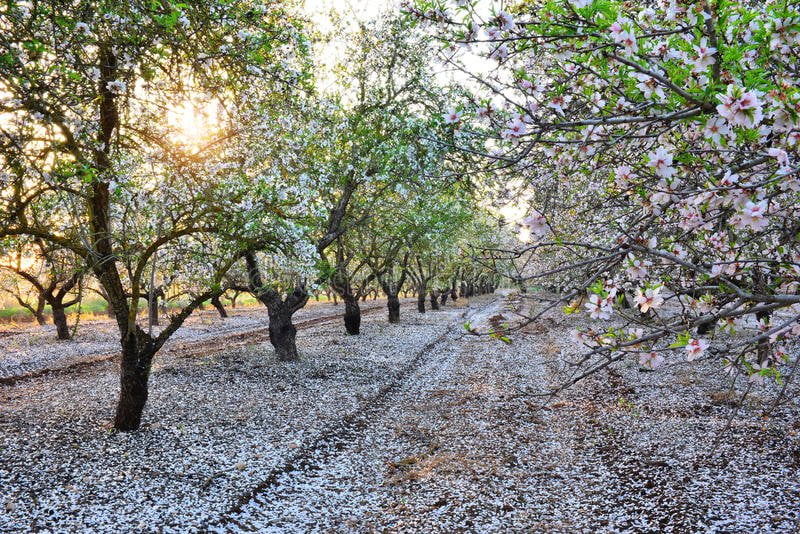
(682, 341)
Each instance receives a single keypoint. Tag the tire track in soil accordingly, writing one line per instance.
(311, 458)
(228, 340)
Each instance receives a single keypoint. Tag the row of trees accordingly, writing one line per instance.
(280, 191)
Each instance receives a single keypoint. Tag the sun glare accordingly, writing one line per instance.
(194, 123)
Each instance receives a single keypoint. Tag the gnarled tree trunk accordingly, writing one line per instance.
(217, 303)
(282, 333)
(393, 304)
(60, 320)
(137, 359)
(352, 315)
(152, 310)
(422, 292)
(434, 297)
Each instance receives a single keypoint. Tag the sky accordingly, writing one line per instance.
(318, 11)
(360, 9)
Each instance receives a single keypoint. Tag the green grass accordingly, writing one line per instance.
(13, 312)
(18, 313)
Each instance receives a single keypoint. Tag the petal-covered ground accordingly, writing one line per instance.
(412, 427)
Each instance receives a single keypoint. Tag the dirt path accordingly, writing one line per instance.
(311, 466)
(456, 446)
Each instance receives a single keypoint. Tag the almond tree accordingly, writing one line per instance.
(659, 140)
(54, 277)
(86, 93)
(366, 143)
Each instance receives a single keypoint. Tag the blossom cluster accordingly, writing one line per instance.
(660, 143)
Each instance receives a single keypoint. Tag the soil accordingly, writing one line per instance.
(412, 427)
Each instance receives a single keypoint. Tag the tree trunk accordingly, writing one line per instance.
(152, 310)
(134, 374)
(352, 315)
(444, 294)
(763, 349)
(434, 296)
(282, 333)
(393, 303)
(219, 307)
(40, 318)
(60, 320)
(421, 292)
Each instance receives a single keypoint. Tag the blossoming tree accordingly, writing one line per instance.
(659, 140)
(87, 94)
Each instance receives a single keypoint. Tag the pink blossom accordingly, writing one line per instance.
(515, 128)
(649, 299)
(623, 176)
(506, 21)
(637, 269)
(704, 57)
(753, 215)
(558, 102)
(451, 116)
(485, 111)
(649, 86)
(740, 107)
(748, 59)
(598, 307)
(678, 251)
(536, 223)
(728, 179)
(715, 129)
(500, 53)
(780, 156)
(661, 162)
(695, 348)
(616, 30)
(690, 218)
(628, 41)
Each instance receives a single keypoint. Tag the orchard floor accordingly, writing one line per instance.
(415, 427)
